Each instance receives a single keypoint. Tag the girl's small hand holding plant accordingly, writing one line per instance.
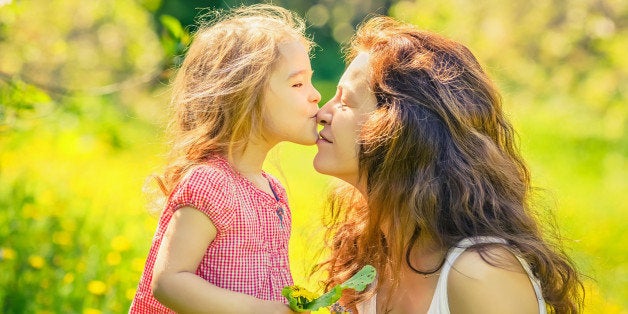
(302, 300)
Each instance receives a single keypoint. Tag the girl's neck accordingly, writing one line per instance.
(248, 161)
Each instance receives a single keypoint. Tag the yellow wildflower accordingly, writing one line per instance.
(137, 264)
(298, 291)
(91, 311)
(68, 225)
(97, 287)
(80, 267)
(47, 199)
(61, 238)
(120, 243)
(130, 293)
(7, 253)
(30, 211)
(36, 261)
(68, 278)
(113, 258)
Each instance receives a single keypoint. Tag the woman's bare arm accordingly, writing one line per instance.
(474, 286)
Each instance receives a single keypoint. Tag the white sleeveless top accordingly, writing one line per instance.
(440, 301)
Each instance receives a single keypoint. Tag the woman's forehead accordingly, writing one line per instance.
(355, 77)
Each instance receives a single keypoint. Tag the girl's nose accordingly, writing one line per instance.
(315, 96)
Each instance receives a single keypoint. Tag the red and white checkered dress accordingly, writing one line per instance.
(250, 251)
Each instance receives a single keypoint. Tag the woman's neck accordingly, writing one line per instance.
(427, 255)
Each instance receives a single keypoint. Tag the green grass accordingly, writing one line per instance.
(76, 231)
(583, 170)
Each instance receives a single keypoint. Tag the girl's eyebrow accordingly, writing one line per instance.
(299, 72)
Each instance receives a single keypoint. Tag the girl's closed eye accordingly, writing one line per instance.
(297, 85)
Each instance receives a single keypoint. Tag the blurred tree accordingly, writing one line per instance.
(331, 23)
(557, 53)
(105, 48)
(110, 47)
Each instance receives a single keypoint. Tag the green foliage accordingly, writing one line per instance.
(20, 101)
(105, 48)
(330, 23)
(551, 53)
(174, 39)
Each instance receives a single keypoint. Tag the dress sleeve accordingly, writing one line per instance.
(210, 191)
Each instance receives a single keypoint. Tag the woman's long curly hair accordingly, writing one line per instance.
(440, 161)
(217, 91)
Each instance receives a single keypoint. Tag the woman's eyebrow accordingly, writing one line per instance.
(348, 93)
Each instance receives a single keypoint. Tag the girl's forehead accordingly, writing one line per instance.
(293, 59)
(293, 52)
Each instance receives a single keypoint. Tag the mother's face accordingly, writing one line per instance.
(342, 118)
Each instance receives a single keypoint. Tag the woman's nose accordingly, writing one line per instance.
(324, 115)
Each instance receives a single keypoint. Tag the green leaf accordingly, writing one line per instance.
(326, 299)
(361, 279)
(173, 25)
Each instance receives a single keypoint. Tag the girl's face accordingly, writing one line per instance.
(341, 118)
(291, 101)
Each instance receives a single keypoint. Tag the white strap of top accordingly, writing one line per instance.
(440, 301)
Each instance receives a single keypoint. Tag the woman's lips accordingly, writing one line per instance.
(322, 137)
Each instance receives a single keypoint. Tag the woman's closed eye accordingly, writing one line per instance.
(344, 103)
(342, 100)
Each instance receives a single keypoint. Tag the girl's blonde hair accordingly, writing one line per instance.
(218, 89)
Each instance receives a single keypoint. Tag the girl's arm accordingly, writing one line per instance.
(175, 283)
(474, 286)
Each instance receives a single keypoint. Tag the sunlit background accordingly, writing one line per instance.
(83, 103)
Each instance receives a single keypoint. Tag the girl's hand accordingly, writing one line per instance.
(275, 307)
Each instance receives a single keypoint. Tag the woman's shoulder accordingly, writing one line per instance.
(491, 280)
(487, 260)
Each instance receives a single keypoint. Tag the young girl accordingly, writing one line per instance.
(221, 244)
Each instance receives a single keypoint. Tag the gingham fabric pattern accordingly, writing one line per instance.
(250, 251)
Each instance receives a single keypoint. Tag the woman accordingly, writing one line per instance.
(439, 196)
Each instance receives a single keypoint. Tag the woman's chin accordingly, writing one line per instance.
(325, 167)
(319, 165)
